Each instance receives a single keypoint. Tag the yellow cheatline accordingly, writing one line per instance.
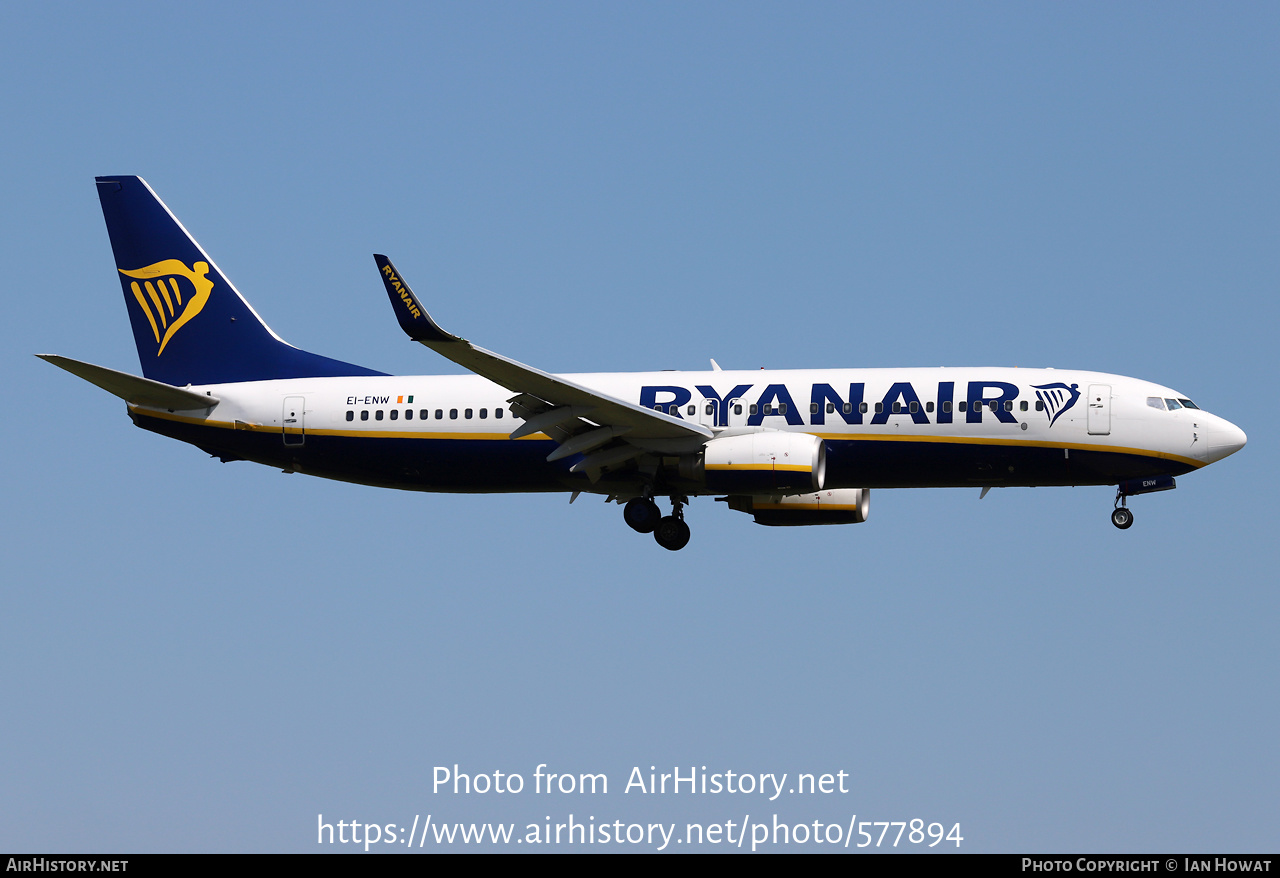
(386, 434)
(1029, 443)
(308, 431)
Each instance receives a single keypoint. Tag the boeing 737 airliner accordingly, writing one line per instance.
(793, 447)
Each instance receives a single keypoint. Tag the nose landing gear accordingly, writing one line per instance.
(1121, 517)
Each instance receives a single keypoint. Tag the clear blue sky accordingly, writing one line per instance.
(203, 657)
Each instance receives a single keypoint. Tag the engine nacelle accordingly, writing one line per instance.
(838, 506)
(767, 462)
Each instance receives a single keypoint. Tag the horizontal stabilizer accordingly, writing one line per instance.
(131, 388)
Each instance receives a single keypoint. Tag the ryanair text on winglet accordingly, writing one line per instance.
(403, 291)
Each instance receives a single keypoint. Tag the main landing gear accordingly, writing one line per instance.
(641, 515)
(670, 531)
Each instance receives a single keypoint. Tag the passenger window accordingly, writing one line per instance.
(439, 414)
(711, 408)
(782, 408)
(847, 408)
(946, 406)
(497, 413)
(897, 408)
(813, 408)
(395, 413)
(408, 414)
(963, 406)
(675, 410)
(753, 408)
(424, 414)
(364, 414)
(484, 413)
(1023, 405)
(1008, 405)
(351, 416)
(928, 406)
(691, 410)
(831, 408)
(914, 407)
(377, 416)
(467, 414)
(879, 408)
(453, 414)
(862, 407)
(1039, 405)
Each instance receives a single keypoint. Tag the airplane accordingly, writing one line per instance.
(788, 447)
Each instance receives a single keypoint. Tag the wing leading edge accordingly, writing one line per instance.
(582, 420)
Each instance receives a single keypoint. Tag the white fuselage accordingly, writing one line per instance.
(923, 414)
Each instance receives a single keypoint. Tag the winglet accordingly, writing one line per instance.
(414, 319)
(607, 412)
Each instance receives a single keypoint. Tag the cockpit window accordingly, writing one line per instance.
(1173, 405)
(1155, 402)
(1188, 404)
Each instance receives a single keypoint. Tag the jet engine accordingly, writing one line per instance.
(838, 506)
(771, 461)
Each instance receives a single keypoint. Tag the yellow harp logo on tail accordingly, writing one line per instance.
(161, 299)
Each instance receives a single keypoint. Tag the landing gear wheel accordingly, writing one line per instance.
(672, 533)
(641, 515)
(1122, 518)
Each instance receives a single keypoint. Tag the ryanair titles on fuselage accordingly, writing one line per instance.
(830, 402)
(851, 406)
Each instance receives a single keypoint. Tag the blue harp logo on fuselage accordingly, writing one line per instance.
(161, 297)
(1057, 398)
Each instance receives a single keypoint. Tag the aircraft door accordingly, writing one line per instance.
(293, 421)
(1099, 409)
(737, 410)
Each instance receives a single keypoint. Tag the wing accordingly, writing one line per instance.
(607, 430)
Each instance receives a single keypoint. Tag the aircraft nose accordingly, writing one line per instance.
(1225, 439)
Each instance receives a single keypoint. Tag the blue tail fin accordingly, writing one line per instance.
(190, 324)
